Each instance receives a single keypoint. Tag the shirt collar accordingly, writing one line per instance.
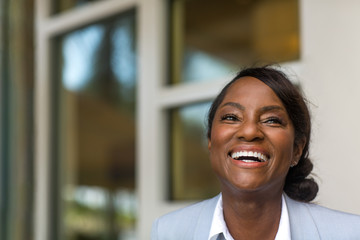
(218, 225)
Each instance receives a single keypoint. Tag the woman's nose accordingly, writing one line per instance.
(249, 131)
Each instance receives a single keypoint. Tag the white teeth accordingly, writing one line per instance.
(258, 155)
(245, 160)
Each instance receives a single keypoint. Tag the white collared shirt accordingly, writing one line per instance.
(218, 224)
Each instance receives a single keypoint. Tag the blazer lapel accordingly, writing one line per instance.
(302, 224)
(203, 225)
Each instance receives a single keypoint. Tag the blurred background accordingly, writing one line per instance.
(103, 104)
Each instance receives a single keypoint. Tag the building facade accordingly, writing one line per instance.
(103, 104)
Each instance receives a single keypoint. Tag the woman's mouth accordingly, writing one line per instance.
(249, 156)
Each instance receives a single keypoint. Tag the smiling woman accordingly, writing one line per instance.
(258, 140)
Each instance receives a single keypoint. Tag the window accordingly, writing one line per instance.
(93, 160)
(210, 39)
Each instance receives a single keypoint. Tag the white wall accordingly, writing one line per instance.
(330, 78)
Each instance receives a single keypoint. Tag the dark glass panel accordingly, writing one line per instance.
(210, 39)
(94, 119)
(64, 5)
(16, 119)
(191, 173)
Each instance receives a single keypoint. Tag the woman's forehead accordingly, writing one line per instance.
(250, 88)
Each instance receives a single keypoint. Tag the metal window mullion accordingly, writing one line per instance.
(42, 137)
(151, 166)
(78, 17)
(183, 94)
(41, 122)
(187, 93)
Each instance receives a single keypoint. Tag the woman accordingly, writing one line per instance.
(258, 139)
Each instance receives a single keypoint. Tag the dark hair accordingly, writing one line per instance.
(298, 185)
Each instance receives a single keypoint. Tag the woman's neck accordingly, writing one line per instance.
(252, 215)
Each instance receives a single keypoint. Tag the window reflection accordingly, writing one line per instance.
(210, 38)
(79, 50)
(191, 173)
(200, 66)
(91, 205)
(95, 131)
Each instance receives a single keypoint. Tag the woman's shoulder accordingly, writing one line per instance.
(193, 209)
(320, 212)
(182, 223)
(327, 223)
(325, 212)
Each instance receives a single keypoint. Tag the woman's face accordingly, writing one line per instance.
(252, 138)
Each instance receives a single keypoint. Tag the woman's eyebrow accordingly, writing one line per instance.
(234, 104)
(271, 108)
(262, 110)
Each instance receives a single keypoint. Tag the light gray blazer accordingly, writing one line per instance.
(307, 221)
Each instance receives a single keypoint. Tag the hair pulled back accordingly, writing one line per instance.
(298, 185)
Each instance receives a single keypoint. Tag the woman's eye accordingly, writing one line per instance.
(229, 117)
(273, 121)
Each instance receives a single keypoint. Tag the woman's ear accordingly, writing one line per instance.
(298, 150)
(209, 144)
